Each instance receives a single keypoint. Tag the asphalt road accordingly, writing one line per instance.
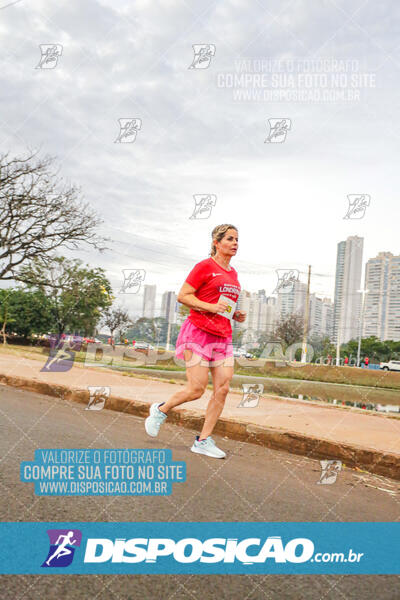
(252, 484)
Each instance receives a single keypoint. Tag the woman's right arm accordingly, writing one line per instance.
(186, 296)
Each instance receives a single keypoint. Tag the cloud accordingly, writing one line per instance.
(131, 59)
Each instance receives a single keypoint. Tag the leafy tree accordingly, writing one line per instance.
(141, 329)
(30, 310)
(149, 330)
(174, 333)
(394, 349)
(376, 349)
(322, 347)
(77, 295)
(6, 312)
(39, 212)
(237, 336)
(183, 311)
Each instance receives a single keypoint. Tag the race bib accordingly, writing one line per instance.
(230, 310)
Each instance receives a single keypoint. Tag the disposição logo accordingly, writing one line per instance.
(62, 547)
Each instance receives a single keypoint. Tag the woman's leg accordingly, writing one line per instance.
(197, 380)
(221, 377)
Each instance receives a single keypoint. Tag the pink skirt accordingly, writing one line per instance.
(209, 347)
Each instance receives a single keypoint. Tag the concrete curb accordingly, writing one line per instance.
(373, 461)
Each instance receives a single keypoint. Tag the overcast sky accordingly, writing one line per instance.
(125, 59)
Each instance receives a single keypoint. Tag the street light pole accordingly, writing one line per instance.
(306, 319)
(168, 335)
(171, 321)
(338, 337)
(338, 346)
(363, 292)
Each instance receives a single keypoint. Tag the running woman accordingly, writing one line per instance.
(204, 342)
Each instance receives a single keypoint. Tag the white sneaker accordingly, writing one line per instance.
(207, 447)
(153, 423)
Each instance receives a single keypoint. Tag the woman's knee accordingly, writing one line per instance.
(196, 390)
(223, 388)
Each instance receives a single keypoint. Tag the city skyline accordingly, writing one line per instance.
(265, 310)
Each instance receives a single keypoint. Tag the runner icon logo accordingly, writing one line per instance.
(62, 353)
(63, 543)
(203, 54)
(329, 471)
(357, 205)
(50, 53)
(278, 129)
(98, 397)
(251, 395)
(286, 280)
(128, 129)
(133, 279)
(204, 204)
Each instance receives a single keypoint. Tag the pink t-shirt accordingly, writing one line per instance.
(210, 281)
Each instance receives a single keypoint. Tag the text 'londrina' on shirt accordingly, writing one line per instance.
(210, 281)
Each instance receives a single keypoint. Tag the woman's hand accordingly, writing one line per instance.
(220, 307)
(239, 316)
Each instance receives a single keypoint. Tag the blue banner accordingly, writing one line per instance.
(201, 548)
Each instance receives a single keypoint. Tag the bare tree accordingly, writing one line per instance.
(116, 319)
(289, 330)
(39, 212)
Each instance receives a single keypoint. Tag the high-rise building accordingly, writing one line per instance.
(168, 305)
(320, 309)
(267, 313)
(347, 303)
(243, 303)
(292, 302)
(327, 318)
(253, 316)
(261, 315)
(271, 319)
(320, 317)
(382, 300)
(149, 301)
